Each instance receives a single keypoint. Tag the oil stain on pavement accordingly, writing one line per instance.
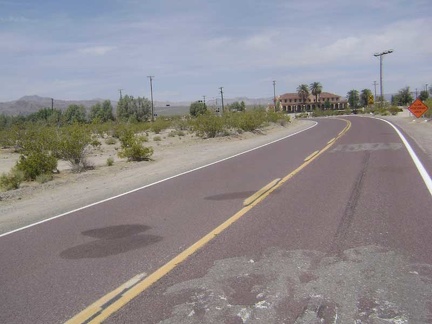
(110, 241)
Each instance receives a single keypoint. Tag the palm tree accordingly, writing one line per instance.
(303, 92)
(364, 97)
(316, 89)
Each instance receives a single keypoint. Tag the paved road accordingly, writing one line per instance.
(347, 238)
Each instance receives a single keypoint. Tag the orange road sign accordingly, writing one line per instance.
(418, 108)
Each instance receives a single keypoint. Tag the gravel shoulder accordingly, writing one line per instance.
(68, 191)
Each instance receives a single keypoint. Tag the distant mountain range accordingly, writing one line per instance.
(30, 104)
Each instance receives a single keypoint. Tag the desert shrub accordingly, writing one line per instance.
(110, 141)
(175, 133)
(382, 112)
(157, 139)
(394, 110)
(43, 178)
(302, 115)
(278, 117)
(251, 120)
(428, 113)
(110, 161)
(132, 148)
(36, 163)
(73, 146)
(208, 125)
(159, 125)
(11, 180)
(136, 152)
(182, 124)
(95, 143)
(36, 138)
(272, 116)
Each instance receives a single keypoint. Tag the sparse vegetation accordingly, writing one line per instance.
(110, 161)
(49, 135)
(73, 146)
(43, 178)
(208, 125)
(11, 180)
(36, 163)
(110, 141)
(132, 148)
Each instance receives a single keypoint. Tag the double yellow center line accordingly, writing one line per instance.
(112, 302)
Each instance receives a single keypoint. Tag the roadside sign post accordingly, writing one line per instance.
(418, 108)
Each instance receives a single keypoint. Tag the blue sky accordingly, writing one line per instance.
(85, 49)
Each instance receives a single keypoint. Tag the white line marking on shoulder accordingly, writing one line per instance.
(421, 169)
(155, 183)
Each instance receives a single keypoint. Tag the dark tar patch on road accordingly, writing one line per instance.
(111, 240)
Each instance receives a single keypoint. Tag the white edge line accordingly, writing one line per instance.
(421, 169)
(154, 183)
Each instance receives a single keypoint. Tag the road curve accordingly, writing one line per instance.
(348, 239)
(345, 239)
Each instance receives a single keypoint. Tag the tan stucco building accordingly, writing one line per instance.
(292, 102)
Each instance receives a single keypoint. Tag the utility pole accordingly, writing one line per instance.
(221, 91)
(52, 104)
(151, 95)
(375, 85)
(380, 55)
(416, 93)
(204, 98)
(274, 94)
(120, 90)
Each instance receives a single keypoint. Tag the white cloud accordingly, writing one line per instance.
(15, 19)
(97, 50)
(261, 41)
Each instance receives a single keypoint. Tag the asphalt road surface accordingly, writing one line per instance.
(344, 237)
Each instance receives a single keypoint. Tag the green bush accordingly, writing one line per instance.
(132, 148)
(175, 133)
(43, 178)
(208, 125)
(157, 139)
(394, 110)
(110, 141)
(182, 124)
(95, 143)
(73, 146)
(428, 113)
(159, 125)
(136, 152)
(36, 163)
(278, 118)
(251, 120)
(11, 180)
(110, 161)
